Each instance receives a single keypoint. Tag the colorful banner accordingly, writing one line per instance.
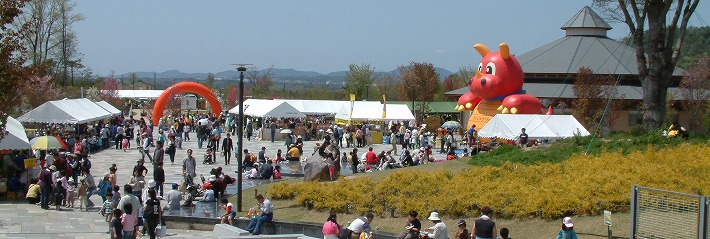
(352, 104)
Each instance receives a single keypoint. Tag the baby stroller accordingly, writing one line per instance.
(209, 158)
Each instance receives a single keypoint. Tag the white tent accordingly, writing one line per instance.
(276, 109)
(362, 110)
(15, 138)
(508, 126)
(268, 108)
(108, 107)
(68, 111)
(139, 94)
(398, 112)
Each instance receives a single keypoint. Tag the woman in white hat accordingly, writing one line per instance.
(567, 231)
(438, 231)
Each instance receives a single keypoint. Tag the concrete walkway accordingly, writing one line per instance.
(18, 219)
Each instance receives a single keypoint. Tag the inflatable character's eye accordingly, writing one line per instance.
(491, 68)
(480, 65)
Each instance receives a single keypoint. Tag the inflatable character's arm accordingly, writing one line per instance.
(520, 104)
(467, 101)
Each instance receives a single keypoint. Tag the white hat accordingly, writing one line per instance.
(568, 222)
(213, 178)
(151, 183)
(434, 216)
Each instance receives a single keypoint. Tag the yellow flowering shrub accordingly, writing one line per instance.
(578, 185)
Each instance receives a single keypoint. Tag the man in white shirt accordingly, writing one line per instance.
(358, 226)
(174, 198)
(267, 214)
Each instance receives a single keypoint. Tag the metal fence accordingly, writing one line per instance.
(658, 213)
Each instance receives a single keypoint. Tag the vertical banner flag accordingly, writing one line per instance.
(384, 107)
(352, 104)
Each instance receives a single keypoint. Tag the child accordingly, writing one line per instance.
(278, 156)
(115, 224)
(229, 212)
(328, 160)
(504, 233)
(58, 193)
(83, 186)
(71, 193)
(108, 206)
(125, 144)
(129, 222)
(277, 172)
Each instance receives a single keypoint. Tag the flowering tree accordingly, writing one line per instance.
(694, 91)
(232, 97)
(109, 91)
(37, 90)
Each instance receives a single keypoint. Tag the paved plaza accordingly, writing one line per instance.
(22, 220)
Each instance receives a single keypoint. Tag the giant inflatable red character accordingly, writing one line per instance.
(497, 87)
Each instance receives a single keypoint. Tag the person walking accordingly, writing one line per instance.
(147, 142)
(227, 147)
(153, 212)
(523, 139)
(188, 168)
(272, 127)
(567, 231)
(171, 149)
(159, 156)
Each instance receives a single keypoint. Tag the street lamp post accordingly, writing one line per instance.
(240, 131)
(367, 92)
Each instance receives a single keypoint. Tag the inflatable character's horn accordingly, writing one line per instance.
(482, 49)
(504, 51)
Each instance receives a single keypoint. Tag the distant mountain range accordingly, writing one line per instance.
(278, 75)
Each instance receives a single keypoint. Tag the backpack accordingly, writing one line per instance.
(152, 207)
(252, 158)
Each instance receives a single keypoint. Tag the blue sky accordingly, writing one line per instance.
(322, 36)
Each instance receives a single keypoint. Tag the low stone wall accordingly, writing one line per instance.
(269, 228)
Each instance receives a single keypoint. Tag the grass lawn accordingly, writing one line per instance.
(586, 226)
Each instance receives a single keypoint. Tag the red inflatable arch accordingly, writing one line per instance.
(192, 87)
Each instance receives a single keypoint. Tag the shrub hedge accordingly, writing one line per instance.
(579, 185)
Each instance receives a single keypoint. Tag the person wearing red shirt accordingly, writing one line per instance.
(371, 158)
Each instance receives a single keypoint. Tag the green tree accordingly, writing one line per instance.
(210, 81)
(358, 79)
(656, 58)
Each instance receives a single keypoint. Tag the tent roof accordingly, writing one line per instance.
(140, 94)
(270, 108)
(16, 138)
(68, 111)
(508, 126)
(399, 112)
(108, 107)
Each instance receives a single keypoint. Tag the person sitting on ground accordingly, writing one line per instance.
(209, 193)
(462, 233)
(266, 170)
(33, 191)
(504, 233)
(358, 226)
(293, 154)
(254, 172)
(412, 228)
(174, 196)
(438, 231)
(247, 162)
